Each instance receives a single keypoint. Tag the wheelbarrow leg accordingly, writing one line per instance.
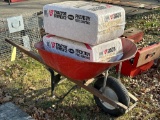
(54, 80)
(105, 80)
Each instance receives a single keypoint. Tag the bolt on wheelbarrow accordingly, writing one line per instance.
(109, 93)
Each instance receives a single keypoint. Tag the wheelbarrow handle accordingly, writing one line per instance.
(26, 51)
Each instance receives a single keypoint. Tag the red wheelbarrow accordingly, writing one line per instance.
(109, 93)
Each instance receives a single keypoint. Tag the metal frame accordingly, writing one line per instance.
(31, 31)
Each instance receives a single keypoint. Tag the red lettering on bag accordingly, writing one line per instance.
(51, 12)
(112, 16)
(53, 44)
(108, 6)
(105, 52)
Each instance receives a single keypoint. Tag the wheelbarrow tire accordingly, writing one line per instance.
(119, 91)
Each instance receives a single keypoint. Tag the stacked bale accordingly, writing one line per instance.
(86, 31)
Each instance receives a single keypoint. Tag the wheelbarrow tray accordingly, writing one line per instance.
(82, 70)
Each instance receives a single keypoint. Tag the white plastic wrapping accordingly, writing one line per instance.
(106, 52)
(88, 22)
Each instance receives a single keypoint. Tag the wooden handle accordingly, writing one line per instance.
(26, 51)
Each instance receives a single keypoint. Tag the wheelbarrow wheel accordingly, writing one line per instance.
(114, 90)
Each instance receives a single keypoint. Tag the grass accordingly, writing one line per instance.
(28, 82)
(149, 23)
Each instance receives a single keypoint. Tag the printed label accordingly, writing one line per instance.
(81, 5)
(70, 17)
(82, 54)
(71, 51)
(53, 44)
(115, 16)
(106, 18)
(112, 49)
(112, 26)
(108, 6)
(45, 13)
(64, 48)
(109, 52)
(97, 8)
(82, 19)
(60, 14)
(63, 15)
(51, 12)
(105, 52)
(61, 47)
(48, 44)
(100, 54)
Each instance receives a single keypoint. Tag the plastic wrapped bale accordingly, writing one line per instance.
(106, 52)
(88, 22)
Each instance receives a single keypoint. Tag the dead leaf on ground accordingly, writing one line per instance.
(7, 98)
(32, 88)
